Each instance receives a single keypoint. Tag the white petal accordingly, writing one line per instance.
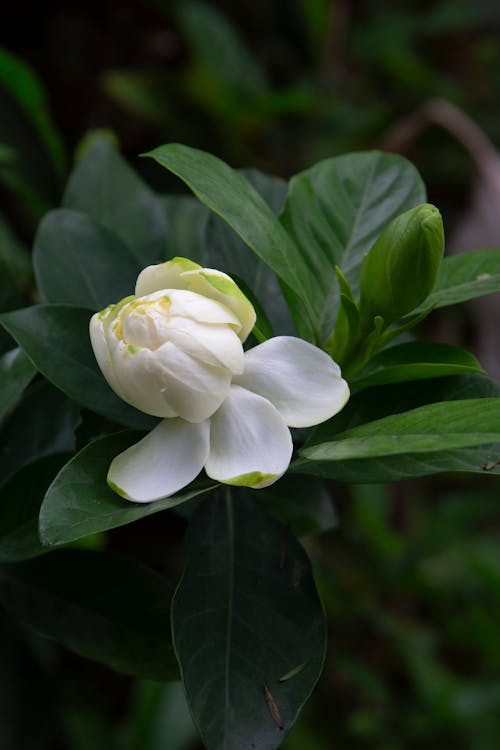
(168, 382)
(302, 381)
(220, 287)
(250, 445)
(162, 463)
(187, 304)
(218, 346)
(98, 339)
(163, 276)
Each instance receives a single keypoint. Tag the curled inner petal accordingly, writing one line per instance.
(169, 382)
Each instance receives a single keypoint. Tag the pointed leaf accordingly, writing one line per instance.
(223, 249)
(80, 262)
(20, 500)
(79, 502)
(416, 360)
(244, 614)
(42, 424)
(450, 436)
(231, 196)
(463, 277)
(103, 186)
(370, 404)
(186, 218)
(56, 339)
(104, 607)
(335, 211)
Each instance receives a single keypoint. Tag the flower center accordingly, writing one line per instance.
(144, 322)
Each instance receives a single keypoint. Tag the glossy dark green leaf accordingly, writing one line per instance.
(42, 424)
(481, 459)
(186, 218)
(463, 277)
(262, 329)
(416, 360)
(450, 436)
(223, 249)
(104, 607)
(104, 186)
(335, 211)
(231, 196)
(245, 613)
(80, 262)
(79, 502)
(16, 371)
(56, 339)
(20, 501)
(381, 401)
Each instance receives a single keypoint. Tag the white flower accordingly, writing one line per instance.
(174, 350)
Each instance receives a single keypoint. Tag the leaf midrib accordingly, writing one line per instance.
(230, 604)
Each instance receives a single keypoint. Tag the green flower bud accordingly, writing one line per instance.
(400, 270)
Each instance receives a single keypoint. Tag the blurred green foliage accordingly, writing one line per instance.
(410, 577)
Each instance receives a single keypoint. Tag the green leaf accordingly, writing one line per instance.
(56, 339)
(335, 211)
(16, 371)
(186, 218)
(42, 424)
(105, 187)
(79, 262)
(415, 360)
(262, 329)
(79, 502)
(427, 440)
(223, 249)
(381, 401)
(231, 196)
(104, 607)
(463, 277)
(20, 500)
(244, 614)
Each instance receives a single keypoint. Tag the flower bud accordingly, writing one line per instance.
(400, 270)
(172, 351)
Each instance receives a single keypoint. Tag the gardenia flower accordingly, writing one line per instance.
(174, 350)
